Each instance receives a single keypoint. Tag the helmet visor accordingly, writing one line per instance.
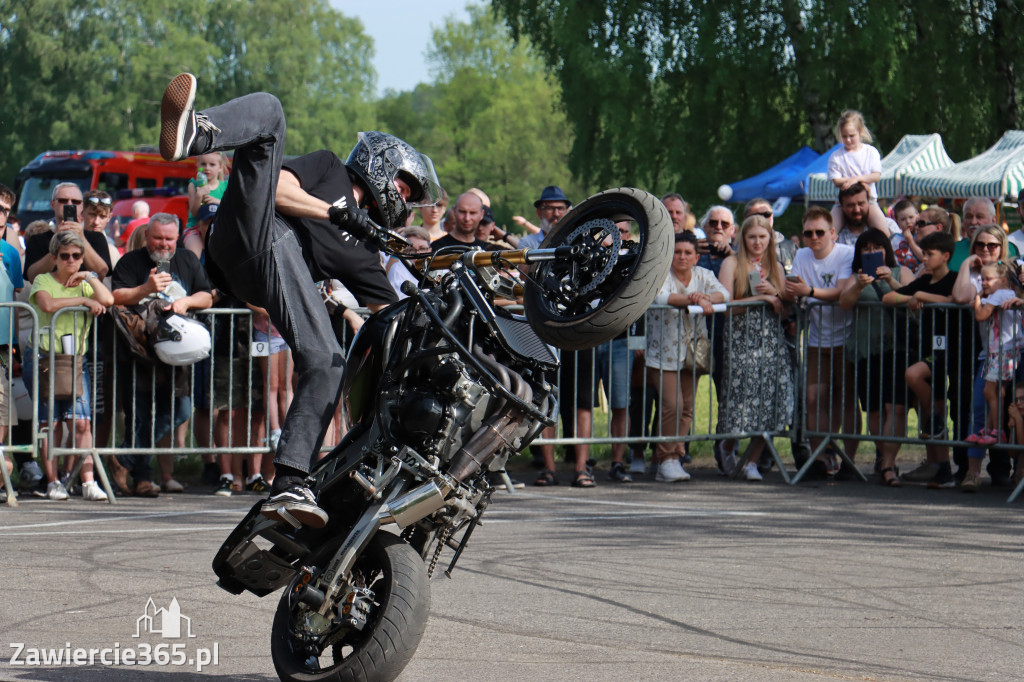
(427, 190)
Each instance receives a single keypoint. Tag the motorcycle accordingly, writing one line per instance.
(441, 389)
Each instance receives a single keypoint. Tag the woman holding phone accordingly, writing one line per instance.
(878, 343)
(758, 374)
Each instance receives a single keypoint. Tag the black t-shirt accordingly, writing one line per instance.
(449, 240)
(932, 321)
(329, 251)
(133, 269)
(38, 246)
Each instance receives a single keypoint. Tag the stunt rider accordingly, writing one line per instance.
(277, 233)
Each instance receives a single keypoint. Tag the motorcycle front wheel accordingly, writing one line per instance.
(590, 298)
(397, 576)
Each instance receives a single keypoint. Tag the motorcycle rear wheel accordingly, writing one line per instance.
(398, 577)
(575, 306)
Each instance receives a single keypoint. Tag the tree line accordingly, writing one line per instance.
(691, 93)
(668, 95)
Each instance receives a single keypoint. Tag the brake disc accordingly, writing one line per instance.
(610, 254)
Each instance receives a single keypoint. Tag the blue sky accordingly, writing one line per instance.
(401, 32)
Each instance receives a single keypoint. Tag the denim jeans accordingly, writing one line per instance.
(261, 262)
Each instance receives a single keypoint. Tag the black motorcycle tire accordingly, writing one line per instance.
(381, 652)
(616, 309)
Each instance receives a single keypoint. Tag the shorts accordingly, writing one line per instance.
(576, 388)
(231, 381)
(66, 410)
(614, 366)
(1001, 365)
(277, 344)
(937, 363)
(879, 383)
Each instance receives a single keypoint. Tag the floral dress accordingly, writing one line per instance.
(757, 373)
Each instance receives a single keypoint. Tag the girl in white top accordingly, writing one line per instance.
(856, 162)
(1004, 337)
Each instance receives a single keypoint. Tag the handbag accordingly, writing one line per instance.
(698, 355)
(66, 372)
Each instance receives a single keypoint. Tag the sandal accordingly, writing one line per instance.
(546, 478)
(583, 480)
(893, 482)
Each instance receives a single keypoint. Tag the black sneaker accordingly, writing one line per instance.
(257, 485)
(177, 117)
(224, 487)
(619, 474)
(943, 478)
(295, 503)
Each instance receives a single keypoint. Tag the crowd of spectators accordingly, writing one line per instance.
(909, 311)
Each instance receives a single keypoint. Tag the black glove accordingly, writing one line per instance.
(355, 221)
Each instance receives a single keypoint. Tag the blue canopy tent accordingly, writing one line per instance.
(794, 183)
(745, 190)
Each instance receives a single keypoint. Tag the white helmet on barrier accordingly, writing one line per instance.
(181, 341)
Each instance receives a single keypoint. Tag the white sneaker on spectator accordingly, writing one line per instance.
(56, 491)
(751, 473)
(637, 466)
(671, 471)
(92, 492)
(172, 486)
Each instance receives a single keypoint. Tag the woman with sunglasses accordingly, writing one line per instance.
(988, 245)
(66, 287)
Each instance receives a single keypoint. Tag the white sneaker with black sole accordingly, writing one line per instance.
(295, 504)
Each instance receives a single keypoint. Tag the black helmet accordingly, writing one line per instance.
(377, 160)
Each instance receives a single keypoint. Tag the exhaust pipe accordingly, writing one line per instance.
(415, 504)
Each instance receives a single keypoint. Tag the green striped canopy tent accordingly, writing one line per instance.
(997, 173)
(913, 154)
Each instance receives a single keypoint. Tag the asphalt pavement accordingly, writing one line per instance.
(705, 580)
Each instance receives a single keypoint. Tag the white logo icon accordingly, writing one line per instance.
(163, 622)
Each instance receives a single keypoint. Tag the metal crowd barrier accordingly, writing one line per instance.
(812, 422)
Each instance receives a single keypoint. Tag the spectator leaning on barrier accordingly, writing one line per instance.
(988, 245)
(926, 375)
(878, 344)
(671, 335)
(182, 283)
(820, 272)
(614, 363)
(757, 372)
(66, 287)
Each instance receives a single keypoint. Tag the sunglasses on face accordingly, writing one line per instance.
(71, 256)
(719, 223)
(99, 201)
(923, 223)
(65, 200)
(814, 233)
(764, 214)
(987, 246)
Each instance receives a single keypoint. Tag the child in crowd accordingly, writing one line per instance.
(927, 376)
(904, 244)
(856, 162)
(208, 186)
(1001, 329)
